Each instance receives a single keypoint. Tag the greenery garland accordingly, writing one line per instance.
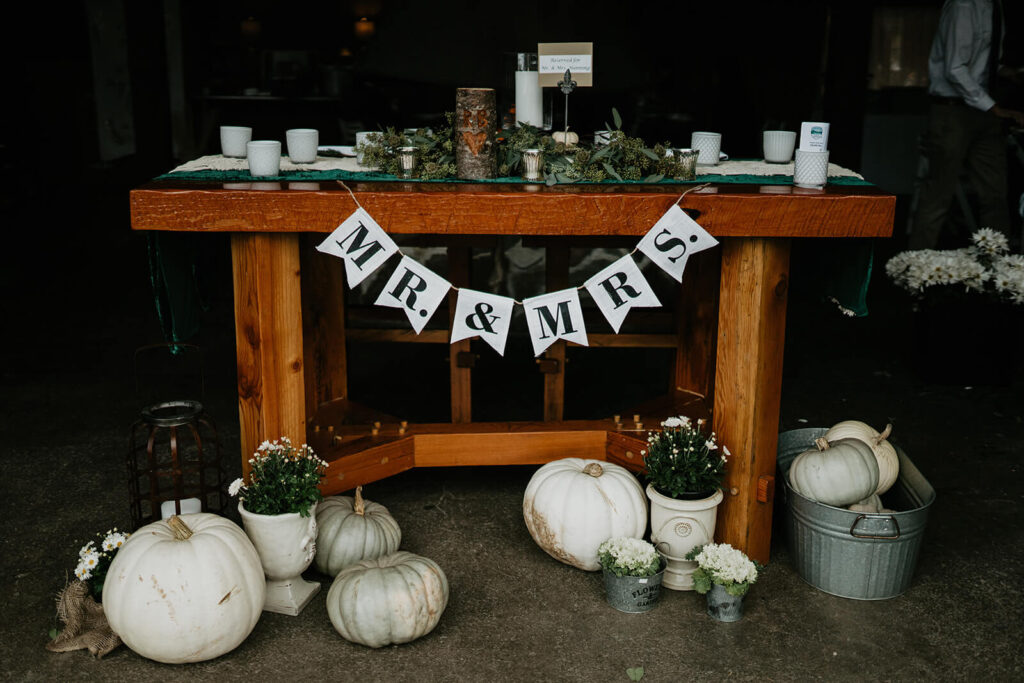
(622, 158)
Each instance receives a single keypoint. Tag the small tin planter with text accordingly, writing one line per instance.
(633, 593)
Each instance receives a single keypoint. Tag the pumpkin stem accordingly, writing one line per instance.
(822, 443)
(884, 435)
(360, 506)
(181, 530)
(593, 469)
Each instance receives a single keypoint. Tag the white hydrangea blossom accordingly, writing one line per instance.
(630, 554)
(726, 563)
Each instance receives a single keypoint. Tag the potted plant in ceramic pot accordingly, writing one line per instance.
(277, 506)
(633, 571)
(685, 468)
(724, 574)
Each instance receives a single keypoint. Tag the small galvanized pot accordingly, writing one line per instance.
(722, 606)
(633, 593)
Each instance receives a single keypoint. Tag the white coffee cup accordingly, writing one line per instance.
(233, 140)
(302, 144)
(708, 146)
(264, 157)
(778, 146)
(810, 168)
(360, 142)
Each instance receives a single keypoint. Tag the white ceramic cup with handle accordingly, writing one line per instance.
(233, 140)
(779, 146)
(302, 144)
(264, 157)
(708, 146)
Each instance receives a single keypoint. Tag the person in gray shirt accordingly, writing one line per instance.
(965, 124)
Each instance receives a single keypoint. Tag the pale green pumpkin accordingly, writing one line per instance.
(837, 473)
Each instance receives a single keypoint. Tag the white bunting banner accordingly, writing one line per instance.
(620, 287)
(673, 239)
(478, 314)
(361, 243)
(555, 316)
(415, 289)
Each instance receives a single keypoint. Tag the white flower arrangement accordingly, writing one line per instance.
(722, 564)
(682, 459)
(985, 267)
(629, 557)
(282, 479)
(94, 561)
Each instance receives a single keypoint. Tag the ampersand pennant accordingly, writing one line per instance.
(673, 239)
(415, 289)
(555, 316)
(620, 287)
(478, 314)
(361, 243)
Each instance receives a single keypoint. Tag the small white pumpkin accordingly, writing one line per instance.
(572, 506)
(837, 473)
(871, 504)
(186, 589)
(352, 529)
(885, 453)
(388, 600)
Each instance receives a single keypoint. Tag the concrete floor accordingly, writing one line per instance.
(75, 316)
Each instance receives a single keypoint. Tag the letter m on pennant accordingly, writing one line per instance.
(362, 243)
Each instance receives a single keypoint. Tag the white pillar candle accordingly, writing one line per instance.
(188, 506)
(529, 99)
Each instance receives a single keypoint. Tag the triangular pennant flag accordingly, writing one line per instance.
(362, 243)
(416, 289)
(555, 316)
(487, 316)
(620, 287)
(673, 239)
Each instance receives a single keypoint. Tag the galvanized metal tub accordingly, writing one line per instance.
(633, 594)
(864, 556)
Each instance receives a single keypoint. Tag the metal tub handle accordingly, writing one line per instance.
(853, 528)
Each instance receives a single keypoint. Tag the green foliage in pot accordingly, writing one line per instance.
(722, 564)
(684, 462)
(629, 557)
(435, 150)
(282, 479)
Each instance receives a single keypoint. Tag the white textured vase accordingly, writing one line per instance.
(286, 545)
(677, 527)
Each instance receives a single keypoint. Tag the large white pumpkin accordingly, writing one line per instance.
(388, 600)
(186, 589)
(353, 529)
(885, 453)
(573, 505)
(837, 473)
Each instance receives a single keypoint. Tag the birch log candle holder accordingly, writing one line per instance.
(475, 148)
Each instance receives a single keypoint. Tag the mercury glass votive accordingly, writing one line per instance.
(407, 161)
(533, 161)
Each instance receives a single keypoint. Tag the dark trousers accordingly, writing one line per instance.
(961, 139)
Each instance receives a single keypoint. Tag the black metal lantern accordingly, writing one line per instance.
(174, 460)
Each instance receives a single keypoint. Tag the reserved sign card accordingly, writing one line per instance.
(554, 58)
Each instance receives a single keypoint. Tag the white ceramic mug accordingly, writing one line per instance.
(810, 169)
(264, 157)
(233, 140)
(778, 146)
(302, 144)
(360, 142)
(708, 146)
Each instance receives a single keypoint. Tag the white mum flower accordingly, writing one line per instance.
(672, 422)
(235, 487)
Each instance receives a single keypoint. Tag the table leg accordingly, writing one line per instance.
(325, 361)
(748, 385)
(268, 339)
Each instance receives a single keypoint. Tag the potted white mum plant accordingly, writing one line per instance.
(632, 570)
(724, 574)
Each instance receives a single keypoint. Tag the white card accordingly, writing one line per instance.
(361, 243)
(555, 316)
(415, 289)
(488, 316)
(673, 239)
(620, 287)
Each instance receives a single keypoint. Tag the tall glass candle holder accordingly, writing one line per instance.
(529, 97)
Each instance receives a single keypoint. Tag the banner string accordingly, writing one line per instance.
(578, 288)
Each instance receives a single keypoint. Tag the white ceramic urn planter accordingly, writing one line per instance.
(677, 527)
(286, 545)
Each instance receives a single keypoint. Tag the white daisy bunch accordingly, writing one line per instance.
(722, 564)
(625, 556)
(683, 459)
(983, 267)
(93, 560)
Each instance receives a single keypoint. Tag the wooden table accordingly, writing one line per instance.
(291, 325)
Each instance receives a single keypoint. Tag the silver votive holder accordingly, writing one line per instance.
(687, 159)
(407, 161)
(533, 162)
